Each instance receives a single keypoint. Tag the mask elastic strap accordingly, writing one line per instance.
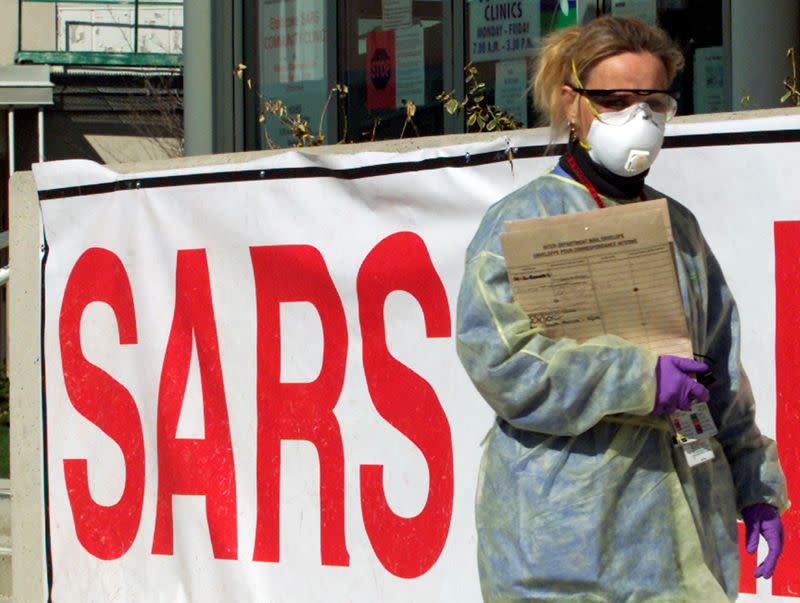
(580, 85)
(575, 74)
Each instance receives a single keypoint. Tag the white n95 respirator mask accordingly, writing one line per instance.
(626, 142)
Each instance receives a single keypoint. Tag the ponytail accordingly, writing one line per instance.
(552, 69)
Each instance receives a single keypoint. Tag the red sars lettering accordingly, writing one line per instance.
(406, 546)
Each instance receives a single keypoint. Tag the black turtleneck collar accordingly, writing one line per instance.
(606, 182)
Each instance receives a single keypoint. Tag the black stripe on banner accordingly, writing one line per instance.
(356, 173)
(369, 171)
(731, 139)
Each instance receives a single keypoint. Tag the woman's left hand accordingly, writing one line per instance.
(764, 520)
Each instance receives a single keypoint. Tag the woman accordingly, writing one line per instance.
(582, 495)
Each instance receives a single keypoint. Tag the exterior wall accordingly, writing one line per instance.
(27, 511)
(115, 137)
(38, 26)
(111, 138)
(8, 32)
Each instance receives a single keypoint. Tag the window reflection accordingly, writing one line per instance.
(293, 62)
(391, 51)
(500, 39)
(387, 51)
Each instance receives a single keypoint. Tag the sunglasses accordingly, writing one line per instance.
(660, 102)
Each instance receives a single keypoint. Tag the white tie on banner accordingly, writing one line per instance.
(252, 391)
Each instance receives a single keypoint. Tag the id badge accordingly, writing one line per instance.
(698, 452)
(692, 431)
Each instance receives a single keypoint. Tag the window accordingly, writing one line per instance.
(392, 52)
(388, 51)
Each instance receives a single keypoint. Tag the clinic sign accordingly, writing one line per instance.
(252, 391)
(293, 45)
(293, 65)
(501, 30)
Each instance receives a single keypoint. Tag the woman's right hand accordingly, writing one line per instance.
(676, 386)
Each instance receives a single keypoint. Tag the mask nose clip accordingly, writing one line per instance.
(645, 111)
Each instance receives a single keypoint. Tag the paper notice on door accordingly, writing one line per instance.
(410, 49)
(646, 10)
(709, 80)
(396, 13)
(608, 272)
(510, 88)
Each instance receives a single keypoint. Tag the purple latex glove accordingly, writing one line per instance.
(676, 387)
(762, 519)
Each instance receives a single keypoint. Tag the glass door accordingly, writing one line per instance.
(394, 57)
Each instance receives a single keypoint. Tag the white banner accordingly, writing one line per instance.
(252, 391)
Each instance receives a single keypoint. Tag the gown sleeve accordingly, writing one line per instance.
(535, 383)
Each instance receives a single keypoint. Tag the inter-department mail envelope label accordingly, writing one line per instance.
(592, 273)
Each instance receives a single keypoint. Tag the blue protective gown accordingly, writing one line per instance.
(581, 494)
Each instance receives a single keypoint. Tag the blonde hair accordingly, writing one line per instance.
(585, 46)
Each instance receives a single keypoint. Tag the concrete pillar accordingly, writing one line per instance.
(198, 74)
(212, 95)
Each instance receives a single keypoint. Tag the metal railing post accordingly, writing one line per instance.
(19, 25)
(11, 159)
(136, 26)
(40, 133)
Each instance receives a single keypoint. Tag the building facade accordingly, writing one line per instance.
(116, 72)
